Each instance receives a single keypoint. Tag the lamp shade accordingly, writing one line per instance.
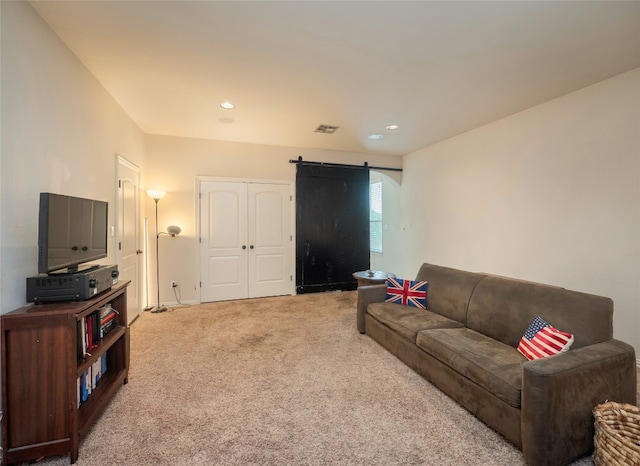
(156, 194)
(174, 230)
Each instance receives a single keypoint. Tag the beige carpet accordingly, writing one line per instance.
(282, 381)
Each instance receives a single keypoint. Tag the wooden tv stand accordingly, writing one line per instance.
(41, 368)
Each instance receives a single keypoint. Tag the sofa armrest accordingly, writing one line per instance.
(560, 392)
(367, 295)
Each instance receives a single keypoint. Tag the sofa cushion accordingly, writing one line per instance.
(449, 290)
(408, 292)
(408, 321)
(502, 308)
(493, 365)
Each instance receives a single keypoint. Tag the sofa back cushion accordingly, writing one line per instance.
(449, 290)
(502, 308)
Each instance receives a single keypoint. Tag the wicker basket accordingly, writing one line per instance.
(617, 437)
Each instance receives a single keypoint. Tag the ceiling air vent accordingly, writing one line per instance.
(326, 129)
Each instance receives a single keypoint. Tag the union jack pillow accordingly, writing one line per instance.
(541, 340)
(408, 292)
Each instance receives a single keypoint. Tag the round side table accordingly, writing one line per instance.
(371, 277)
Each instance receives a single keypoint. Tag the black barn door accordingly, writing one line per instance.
(332, 227)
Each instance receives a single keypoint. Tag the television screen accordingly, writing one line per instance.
(71, 231)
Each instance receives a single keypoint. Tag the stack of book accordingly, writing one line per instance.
(94, 328)
(107, 319)
(89, 379)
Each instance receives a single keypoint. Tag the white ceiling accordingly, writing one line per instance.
(437, 69)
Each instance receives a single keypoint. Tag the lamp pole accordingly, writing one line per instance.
(156, 196)
(158, 307)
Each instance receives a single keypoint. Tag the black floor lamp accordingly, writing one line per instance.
(156, 195)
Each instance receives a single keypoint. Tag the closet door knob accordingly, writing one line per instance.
(244, 246)
(251, 247)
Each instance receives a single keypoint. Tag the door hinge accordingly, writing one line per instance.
(290, 277)
(119, 246)
(119, 183)
(290, 197)
(200, 284)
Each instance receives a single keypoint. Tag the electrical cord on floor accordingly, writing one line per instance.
(180, 304)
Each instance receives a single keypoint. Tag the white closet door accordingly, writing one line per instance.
(246, 243)
(270, 241)
(223, 221)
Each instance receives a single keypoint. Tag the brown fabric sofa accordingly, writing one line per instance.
(465, 344)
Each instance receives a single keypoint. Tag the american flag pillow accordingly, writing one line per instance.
(541, 340)
(408, 292)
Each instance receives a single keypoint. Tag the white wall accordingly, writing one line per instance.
(173, 163)
(551, 194)
(60, 132)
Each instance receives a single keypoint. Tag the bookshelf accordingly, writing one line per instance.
(43, 365)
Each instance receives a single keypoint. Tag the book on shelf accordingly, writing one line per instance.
(83, 389)
(89, 332)
(95, 375)
(82, 340)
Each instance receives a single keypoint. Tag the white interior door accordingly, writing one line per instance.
(128, 252)
(223, 223)
(246, 242)
(270, 240)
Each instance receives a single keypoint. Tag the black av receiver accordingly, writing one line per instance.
(77, 286)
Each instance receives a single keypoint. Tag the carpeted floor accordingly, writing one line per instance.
(279, 381)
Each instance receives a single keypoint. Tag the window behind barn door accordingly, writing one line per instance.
(375, 216)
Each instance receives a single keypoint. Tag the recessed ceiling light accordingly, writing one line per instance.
(392, 127)
(375, 137)
(227, 105)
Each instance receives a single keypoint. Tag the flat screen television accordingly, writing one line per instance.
(71, 231)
